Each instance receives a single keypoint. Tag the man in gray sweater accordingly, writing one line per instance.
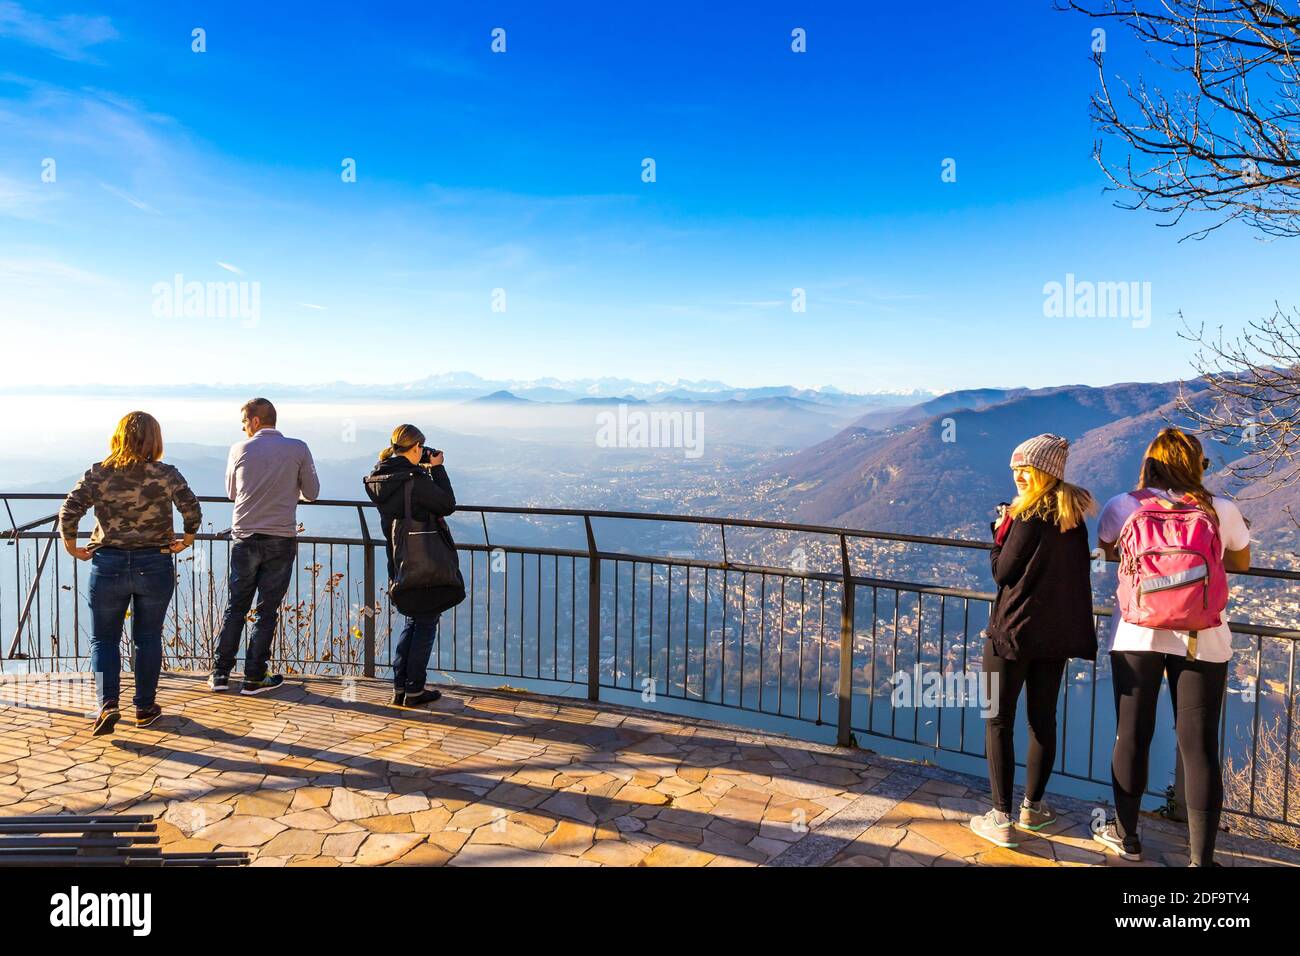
(266, 476)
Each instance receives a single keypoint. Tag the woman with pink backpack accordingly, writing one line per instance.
(1174, 542)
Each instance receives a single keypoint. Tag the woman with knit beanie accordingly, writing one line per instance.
(1041, 617)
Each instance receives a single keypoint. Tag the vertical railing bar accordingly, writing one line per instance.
(593, 614)
(685, 666)
(573, 619)
(1286, 741)
(920, 628)
(488, 615)
(844, 736)
(943, 668)
(473, 600)
(821, 652)
(803, 597)
(704, 643)
(668, 637)
(77, 610)
(330, 593)
(618, 585)
(871, 690)
(893, 665)
(632, 643)
(965, 659)
(650, 641)
(368, 591)
(505, 618)
(523, 605)
(780, 654)
(347, 610)
(555, 623)
(722, 656)
(744, 584)
(1254, 734)
(56, 632)
(762, 639)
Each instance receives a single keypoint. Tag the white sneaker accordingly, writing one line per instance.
(996, 827)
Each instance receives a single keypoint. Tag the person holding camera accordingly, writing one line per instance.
(410, 487)
(1041, 617)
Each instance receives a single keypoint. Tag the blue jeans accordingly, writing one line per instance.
(263, 565)
(143, 582)
(411, 656)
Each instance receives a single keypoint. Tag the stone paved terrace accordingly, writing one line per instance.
(308, 777)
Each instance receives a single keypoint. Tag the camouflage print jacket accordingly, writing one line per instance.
(133, 505)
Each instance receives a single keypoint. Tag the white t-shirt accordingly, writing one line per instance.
(1213, 645)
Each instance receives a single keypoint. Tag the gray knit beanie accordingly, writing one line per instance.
(1045, 452)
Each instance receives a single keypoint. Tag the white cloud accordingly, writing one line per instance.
(69, 37)
(24, 200)
(229, 268)
(127, 197)
(47, 272)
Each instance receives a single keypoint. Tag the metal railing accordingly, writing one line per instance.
(806, 629)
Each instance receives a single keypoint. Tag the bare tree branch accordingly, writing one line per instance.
(1220, 134)
(1224, 135)
(1252, 398)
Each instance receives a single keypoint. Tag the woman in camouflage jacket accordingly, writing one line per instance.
(131, 551)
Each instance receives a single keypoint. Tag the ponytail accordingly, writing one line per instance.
(405, 437)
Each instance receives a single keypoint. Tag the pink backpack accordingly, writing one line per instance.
(1171, 574)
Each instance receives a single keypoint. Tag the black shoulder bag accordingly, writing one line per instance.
(424, 555)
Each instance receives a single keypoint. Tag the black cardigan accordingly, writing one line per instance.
(1044, 602)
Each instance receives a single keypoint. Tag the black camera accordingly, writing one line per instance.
(429, 455)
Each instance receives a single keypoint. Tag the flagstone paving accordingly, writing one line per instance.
(326, 773)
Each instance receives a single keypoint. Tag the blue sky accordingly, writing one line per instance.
(522, 171)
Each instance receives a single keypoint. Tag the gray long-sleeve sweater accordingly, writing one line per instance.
(266, 476)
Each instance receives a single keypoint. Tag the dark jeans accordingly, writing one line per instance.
(261, 565)
(1196, 690)
(411, 656)
(1041, 679)
(142, 582)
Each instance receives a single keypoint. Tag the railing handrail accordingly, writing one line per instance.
(840, 571)
(721, 521)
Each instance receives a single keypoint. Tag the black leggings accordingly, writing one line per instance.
(1041, 679)
(1196, 689)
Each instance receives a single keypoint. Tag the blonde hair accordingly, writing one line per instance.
(1175, 461)
(138, 438)
(1053, 500)
(405, 437)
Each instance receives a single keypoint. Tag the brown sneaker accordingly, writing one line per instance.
(144, 716)
(108, 717)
